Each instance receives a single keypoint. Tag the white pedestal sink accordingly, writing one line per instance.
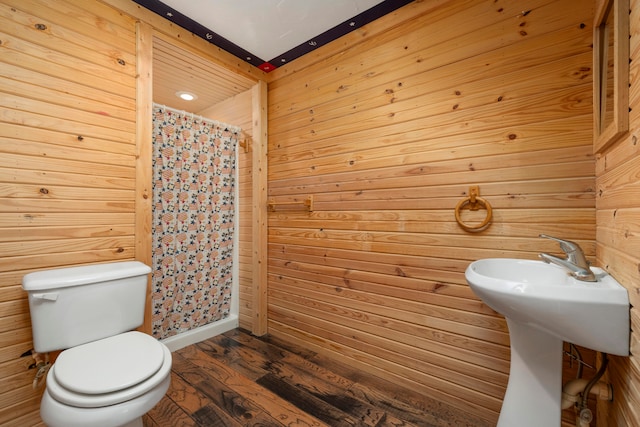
(545, 306)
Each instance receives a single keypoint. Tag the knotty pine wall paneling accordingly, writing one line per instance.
(387, 132)
(618, 239)
(69, 164)
(67, 160)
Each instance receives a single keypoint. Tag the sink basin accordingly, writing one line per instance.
(544, 306)
(590, 314)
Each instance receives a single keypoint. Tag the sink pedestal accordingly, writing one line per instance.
(545, 306)
(534, 391)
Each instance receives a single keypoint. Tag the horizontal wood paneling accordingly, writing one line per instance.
(467, 88)
(67, 168)
(72, 177)
(618, 238)
(387, 135)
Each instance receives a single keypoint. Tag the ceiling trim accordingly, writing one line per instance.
(369, 15)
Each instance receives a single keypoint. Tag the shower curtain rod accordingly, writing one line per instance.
(232, 128)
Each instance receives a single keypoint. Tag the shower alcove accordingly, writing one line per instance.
(225, 96)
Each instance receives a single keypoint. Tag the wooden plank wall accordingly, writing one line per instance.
(67, 161)
(618, 238)
(387, 135)
(237, 111)
(68, 154)
(387, 128)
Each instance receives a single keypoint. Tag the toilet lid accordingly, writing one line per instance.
(110, 364)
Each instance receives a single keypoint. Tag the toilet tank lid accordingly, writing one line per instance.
(82, 275)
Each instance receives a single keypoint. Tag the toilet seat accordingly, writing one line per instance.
(109, 371)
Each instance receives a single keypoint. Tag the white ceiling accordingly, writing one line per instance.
(269, 28)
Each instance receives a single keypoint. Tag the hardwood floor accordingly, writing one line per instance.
(236, 379)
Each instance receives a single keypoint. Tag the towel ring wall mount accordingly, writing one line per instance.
(474, 202)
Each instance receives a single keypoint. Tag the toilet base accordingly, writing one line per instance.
(125, 414)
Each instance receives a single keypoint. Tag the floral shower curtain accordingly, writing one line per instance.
(193, 220)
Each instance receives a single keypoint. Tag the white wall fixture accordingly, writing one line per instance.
(544, 306)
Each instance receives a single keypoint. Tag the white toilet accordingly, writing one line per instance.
(107, 375)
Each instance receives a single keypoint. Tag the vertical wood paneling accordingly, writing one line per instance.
(144, 150)
(387, 135)
(68, 172)
(618, 238)
(259, 209)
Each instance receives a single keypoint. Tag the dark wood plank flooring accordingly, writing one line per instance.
(236, 379)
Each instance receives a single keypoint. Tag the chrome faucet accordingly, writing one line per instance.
(575, 262)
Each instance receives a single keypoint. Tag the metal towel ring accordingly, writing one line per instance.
(475, 202)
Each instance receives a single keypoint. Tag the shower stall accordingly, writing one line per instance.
(194, 288)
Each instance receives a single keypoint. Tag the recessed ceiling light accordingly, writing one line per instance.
(187, 96)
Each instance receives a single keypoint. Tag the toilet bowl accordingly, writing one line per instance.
(106, 382)
(55, 414)
(107, 374)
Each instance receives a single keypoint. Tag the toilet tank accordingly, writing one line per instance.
(75, 305)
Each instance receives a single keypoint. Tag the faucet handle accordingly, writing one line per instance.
(567, 246)
(573, 250)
